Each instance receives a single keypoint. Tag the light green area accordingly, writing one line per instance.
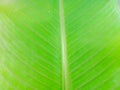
(31, 51)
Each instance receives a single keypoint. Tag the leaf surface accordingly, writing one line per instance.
(59, 45)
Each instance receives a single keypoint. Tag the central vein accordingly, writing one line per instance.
(64, 47)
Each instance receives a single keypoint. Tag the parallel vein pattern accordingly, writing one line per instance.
(59, 45)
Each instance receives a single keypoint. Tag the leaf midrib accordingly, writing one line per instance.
(65, 84)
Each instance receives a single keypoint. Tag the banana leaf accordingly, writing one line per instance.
(59, 44)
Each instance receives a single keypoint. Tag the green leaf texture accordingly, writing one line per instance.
(59, 45)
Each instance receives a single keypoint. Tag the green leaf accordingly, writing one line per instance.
(59, 45)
